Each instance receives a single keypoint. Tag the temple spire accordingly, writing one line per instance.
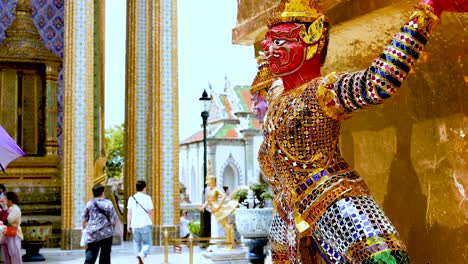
(23, 5)
(22, 40)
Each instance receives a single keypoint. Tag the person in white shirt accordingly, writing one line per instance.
(140, 220)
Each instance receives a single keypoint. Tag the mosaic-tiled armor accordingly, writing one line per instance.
(317, 194)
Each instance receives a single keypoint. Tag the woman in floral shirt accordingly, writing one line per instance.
(99, 219)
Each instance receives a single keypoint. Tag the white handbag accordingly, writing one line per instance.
(84, 238)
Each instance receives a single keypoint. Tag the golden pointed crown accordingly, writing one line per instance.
(296, 10)
(264, 77)
(210, 171)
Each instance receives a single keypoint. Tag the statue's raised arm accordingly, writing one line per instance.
(342, 94)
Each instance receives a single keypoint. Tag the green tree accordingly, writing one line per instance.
(115, 150)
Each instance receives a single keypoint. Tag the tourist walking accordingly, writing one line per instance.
(3, 212)
(11, 241)
(140, 220)
(99, 219)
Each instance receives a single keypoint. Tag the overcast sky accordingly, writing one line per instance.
(205, 52)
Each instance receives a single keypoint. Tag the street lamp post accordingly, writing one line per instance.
(205, 216)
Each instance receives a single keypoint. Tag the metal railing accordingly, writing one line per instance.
(191, 241)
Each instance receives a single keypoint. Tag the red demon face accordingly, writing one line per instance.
(284, 49)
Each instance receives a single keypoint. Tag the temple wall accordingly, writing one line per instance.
(412, 151)
(48, 16)
(151, 113)
(59, 195)
(38, 181)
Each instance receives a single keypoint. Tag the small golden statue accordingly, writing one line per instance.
(219, 209)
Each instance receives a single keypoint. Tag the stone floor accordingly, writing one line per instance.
(123, 254)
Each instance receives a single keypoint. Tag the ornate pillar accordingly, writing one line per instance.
(249, 134)
(164, 118)
(78, 117)
(152, 113)
(51, 74)
(136, 94)
(99, 70)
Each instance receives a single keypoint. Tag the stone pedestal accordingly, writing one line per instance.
(256, 250)
(254, 226)
(237, 255)
(254, 223)
(35, 236)
(32, 251)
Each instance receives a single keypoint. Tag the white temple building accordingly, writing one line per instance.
(233, 141)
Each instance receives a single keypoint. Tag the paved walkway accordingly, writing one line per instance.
(123, 254)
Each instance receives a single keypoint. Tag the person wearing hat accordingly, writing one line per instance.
(320, 199)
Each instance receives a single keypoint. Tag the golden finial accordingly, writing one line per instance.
(264, 77)
(23, 5)
(296, 10)
(22, 41)
(210, 171)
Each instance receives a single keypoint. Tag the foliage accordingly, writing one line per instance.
(259, 191)
(115, 150)
(194, 227)
(266, 196)
(240, 193)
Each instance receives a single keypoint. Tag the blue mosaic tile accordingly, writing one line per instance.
(80, 42)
